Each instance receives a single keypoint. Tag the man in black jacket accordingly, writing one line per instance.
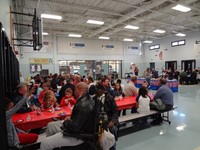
(78, 123)
(108, 105)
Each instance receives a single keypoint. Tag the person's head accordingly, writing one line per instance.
(8, 104)
(117, 86)
(143, 91)
(45, 86)
(68, 92)
(99, 90)
(162, 81)
(105, 82)
(22, 89)
(49, 98)
(90, 80)
(80, 89)
(134, 79)
(119, 81)
(145, 83)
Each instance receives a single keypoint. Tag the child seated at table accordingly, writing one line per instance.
(117, 92)
(49, 100)
(143, 101)
(68, 99)
(17, 137)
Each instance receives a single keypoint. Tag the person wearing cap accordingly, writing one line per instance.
(108, 105)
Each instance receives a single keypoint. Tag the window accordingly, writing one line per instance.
(178, 43)
(153, 47)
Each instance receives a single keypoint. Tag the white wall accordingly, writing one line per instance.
(59, 49)
(178, 53)
(5, 15)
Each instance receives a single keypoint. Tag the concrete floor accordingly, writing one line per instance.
(182, 134)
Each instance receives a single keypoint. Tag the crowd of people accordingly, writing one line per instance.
(80, 93)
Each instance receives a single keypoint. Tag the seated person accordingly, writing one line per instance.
(117, 92)
(108, 105)
(165, 94)
(143, 101)
(78, 123)
(17, 137)
(45, 87)
(49, 100)
(19, 95)
(68, 99)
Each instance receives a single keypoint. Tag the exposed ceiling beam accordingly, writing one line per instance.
(128, 16)
(82, 7)
(154, 15)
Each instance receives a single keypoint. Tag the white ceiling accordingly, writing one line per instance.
(148, 15)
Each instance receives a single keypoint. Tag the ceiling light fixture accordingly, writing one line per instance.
(45, 33)
(95, 22)
(181, 8)
(147, 41)
(75, 35)
(180, 34)
(131, 27)
(159, 31)
(48, 16)
(129, 40)
(103, 37)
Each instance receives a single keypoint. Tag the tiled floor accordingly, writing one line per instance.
(182, 134)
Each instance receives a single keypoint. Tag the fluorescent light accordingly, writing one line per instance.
(103, 37)
(131, 27)
(48, 16)
(159, 31)
(180, 34)
(130, 40)
(181, 42)
(140, 53)
(95, 22)
(147, 42)
(75, 35)
(181, 8)
(44, 33)
(3, 29)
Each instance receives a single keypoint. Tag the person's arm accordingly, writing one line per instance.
(115, 113)
(76, 123)
(62, 103)
(158, 94)
(17, 107)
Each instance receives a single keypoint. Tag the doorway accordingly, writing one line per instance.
(188, 65)
(152, 65)
(171, 65)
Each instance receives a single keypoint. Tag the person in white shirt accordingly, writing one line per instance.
(143, 101)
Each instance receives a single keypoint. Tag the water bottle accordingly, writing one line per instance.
(28, 118)
(52, 110)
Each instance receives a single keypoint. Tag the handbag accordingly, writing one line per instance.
(157, 104)
(106, 140)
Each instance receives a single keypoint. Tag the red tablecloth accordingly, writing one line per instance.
(37, 121)
(126, 102)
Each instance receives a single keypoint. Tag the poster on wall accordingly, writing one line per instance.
(35, 68)
(133, 50)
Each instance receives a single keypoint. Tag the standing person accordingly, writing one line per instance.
(131, 90)
(80, 122)
(16, 136)
(68, 99)
(165, 94)
(147, 76)
(108, 105)
(136, 70)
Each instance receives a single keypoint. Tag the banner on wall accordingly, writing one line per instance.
(133, 50)
(108, 47)
(77, 45)
(40, 60)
